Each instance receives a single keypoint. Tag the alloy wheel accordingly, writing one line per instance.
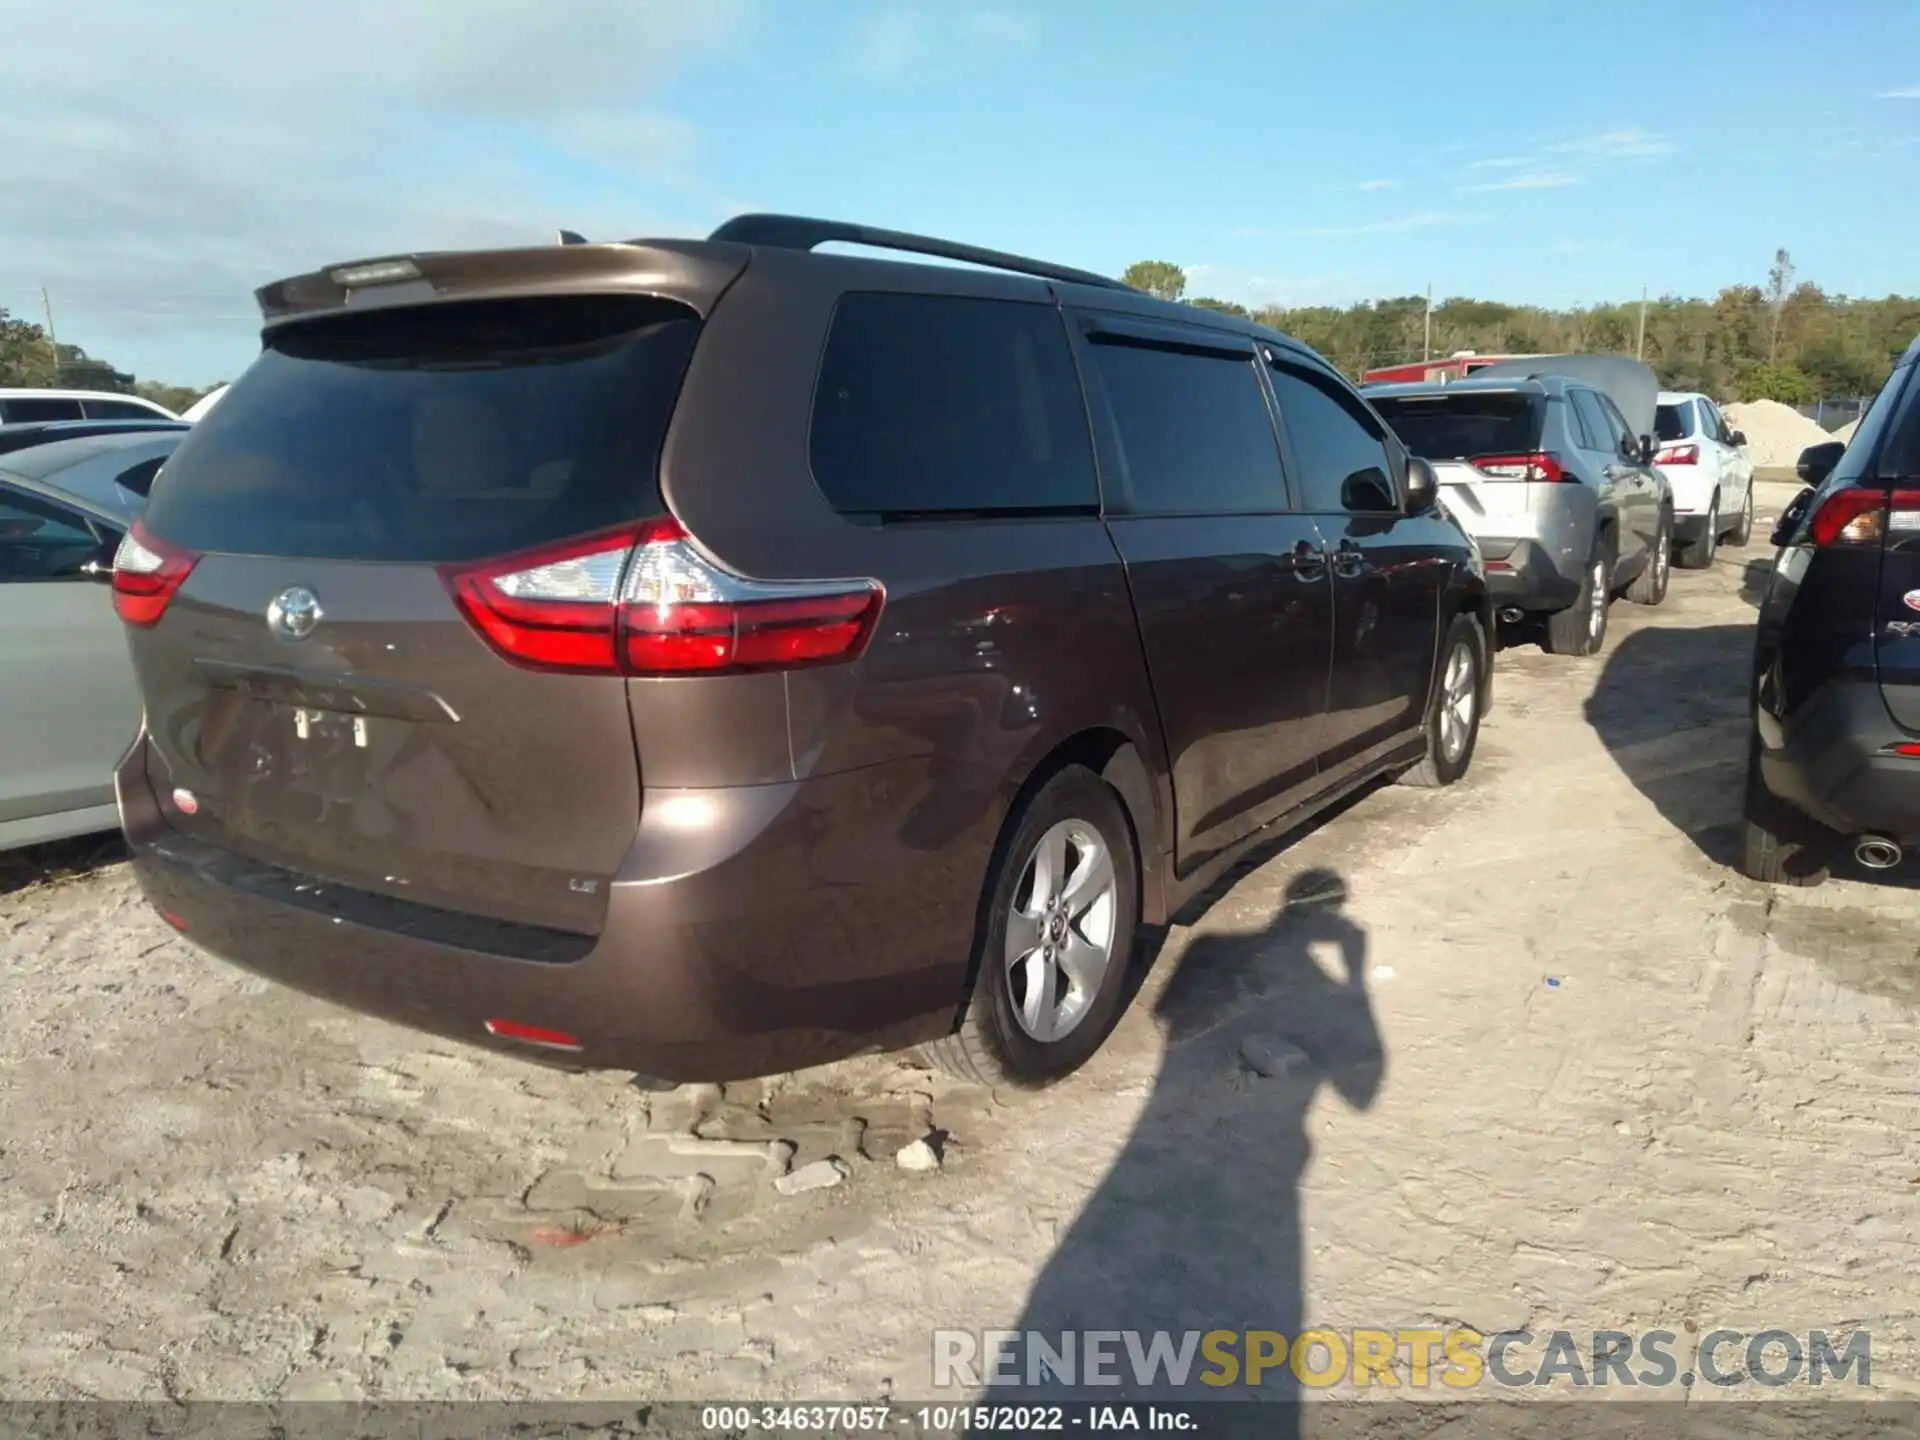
(1060, 930)
(1457, 700)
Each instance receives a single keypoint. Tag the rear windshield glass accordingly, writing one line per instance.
(1463, 425)
(434, 434)
(1673, 422)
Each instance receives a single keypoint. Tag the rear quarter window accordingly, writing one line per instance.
(1463, 425)
(435, 434)
(32, 410)
(930, 405)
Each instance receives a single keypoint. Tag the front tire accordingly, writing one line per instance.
(1060, 912)
(1779, 845)
(1581, 628)
(1453, 712)
(1650, 585)
(1699, 555)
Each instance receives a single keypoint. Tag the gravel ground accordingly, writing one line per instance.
(1565, 1069)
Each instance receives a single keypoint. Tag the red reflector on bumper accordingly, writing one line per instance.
(532, 1034)
(173, 920)
(1498, 565)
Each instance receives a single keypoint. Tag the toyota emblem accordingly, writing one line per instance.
(294, 612)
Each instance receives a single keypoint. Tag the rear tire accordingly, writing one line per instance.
(1699, 555)
(1453, 711)
(1650, 585)
(1057, 929)
(1743, 532)
(1581, 628)
(1779, 845)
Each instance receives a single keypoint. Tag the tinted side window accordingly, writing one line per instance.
(1195, 436)
(1715, 423)
(1674, 422)
(27, 412)
(1616, 422)
(119, 410)
(43, 541)
(930, 404)
(1596, 431)
(1336, 445)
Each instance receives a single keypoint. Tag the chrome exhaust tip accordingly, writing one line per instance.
(1511, 614)
(1877, 852)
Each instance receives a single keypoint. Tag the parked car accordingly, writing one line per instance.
(1834, 756)
(206, 402)
(942, 672)
(1538, 460)
(27, 406)
(68, 707)
(1706, 466)
(25, 437)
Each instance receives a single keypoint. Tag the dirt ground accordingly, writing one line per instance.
(1567, 1069)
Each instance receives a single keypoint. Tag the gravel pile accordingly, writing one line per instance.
(1845, 432)
(1776, 433)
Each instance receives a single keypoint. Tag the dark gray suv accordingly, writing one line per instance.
(707, 658)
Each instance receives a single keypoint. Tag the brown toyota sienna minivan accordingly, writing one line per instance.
(707, 658)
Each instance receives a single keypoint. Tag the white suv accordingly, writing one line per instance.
(1705, 462)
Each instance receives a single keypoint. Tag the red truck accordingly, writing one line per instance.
(1453, 367)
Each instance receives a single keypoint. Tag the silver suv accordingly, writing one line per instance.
(1539, 462)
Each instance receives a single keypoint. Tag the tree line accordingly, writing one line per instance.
(1787, 340)
(29, 358)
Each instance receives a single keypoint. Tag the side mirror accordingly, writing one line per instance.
(1817, 461)
(1649, 447)
(1423, 486)
(1791, 517)
(1738, 439)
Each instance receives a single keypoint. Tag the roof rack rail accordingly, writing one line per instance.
(797, 232)
(572, 237)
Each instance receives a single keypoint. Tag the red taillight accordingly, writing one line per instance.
(146, 572)
(548, 609)
(1541, 465)
(646, 602)
(1863, 516)
(1678, 455)
(532, 1034)
(1904, 747)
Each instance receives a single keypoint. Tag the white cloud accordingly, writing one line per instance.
(1499, 162)
(1542, 181)
(1617, 145)
(1425, 219)
(1909, 92)
(1248, 232)
(185, 154)
(1376, 185)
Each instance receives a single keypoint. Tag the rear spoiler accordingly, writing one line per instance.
(694, 272)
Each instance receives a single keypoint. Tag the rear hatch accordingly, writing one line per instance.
(312, 681)
(1885, 450)
(1484, 446)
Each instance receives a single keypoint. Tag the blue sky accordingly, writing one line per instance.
(1304, 152)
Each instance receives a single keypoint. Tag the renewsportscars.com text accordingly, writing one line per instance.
(1418, 1358)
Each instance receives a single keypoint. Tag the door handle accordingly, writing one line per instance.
(1307, 562)
(1348, 560)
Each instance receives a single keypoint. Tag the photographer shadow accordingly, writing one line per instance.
(1197, 1227)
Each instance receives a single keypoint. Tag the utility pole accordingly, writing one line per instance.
(1640, 342)
(1426, 345)
(52, 344)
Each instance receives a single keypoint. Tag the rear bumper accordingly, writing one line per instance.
(1830, 763)
(1521, 573)
(766, 929)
